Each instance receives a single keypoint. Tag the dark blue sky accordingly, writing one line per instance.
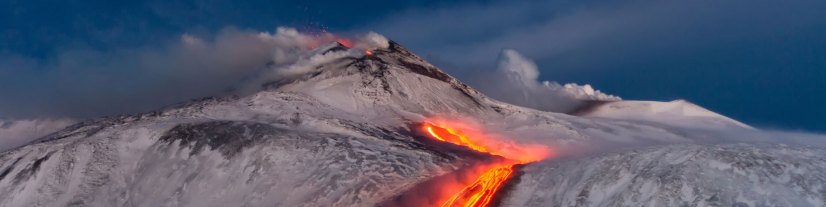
(43, 28)
(759, 61)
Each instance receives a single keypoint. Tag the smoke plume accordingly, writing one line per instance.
(517, 81)
(78, 84)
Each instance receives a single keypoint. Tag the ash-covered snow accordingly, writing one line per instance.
(339, 131)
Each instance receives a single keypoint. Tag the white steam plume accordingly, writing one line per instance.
(517, 82)
(81, 83)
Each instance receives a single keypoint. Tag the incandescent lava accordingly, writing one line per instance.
(481, 191)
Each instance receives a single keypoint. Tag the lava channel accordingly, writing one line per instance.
(482, 191)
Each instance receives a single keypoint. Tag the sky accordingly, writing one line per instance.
(758, 61)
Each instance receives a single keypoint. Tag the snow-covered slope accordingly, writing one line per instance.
(391, 79)
(679, 175)
(290, 145)
(339, 130)
(676, 113)
(260, 151)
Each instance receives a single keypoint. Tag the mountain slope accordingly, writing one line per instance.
(676, 113)
(271, 147)
(338, 128)
(196, 161)
(679, 175)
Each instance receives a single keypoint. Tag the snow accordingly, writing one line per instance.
(642, 177)
(675, 113)
(338, 132)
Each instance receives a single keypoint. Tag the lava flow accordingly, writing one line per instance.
(482, 190)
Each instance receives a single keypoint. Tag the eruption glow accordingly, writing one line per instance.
(346, 42)
(481, 191)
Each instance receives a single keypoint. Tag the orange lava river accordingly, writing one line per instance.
(481, 191)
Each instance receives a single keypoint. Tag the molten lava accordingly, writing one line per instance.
(451, 136)
(520, 153)
(481, 191)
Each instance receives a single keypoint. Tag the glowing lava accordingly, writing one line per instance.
(450, 135)
(519, 153)
(482, 190)
(345, 42)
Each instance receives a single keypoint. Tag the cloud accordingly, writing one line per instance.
(19, 132)
(372, 40)
(516, 81)
(80, 83)
(42, 96)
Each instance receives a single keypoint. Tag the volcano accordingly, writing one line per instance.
(344, 128)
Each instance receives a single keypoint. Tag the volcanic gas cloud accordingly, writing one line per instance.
(489, 181)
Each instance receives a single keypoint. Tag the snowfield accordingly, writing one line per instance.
(340, 131)
(679, 175)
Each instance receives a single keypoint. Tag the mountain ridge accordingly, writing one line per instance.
(342, 132)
